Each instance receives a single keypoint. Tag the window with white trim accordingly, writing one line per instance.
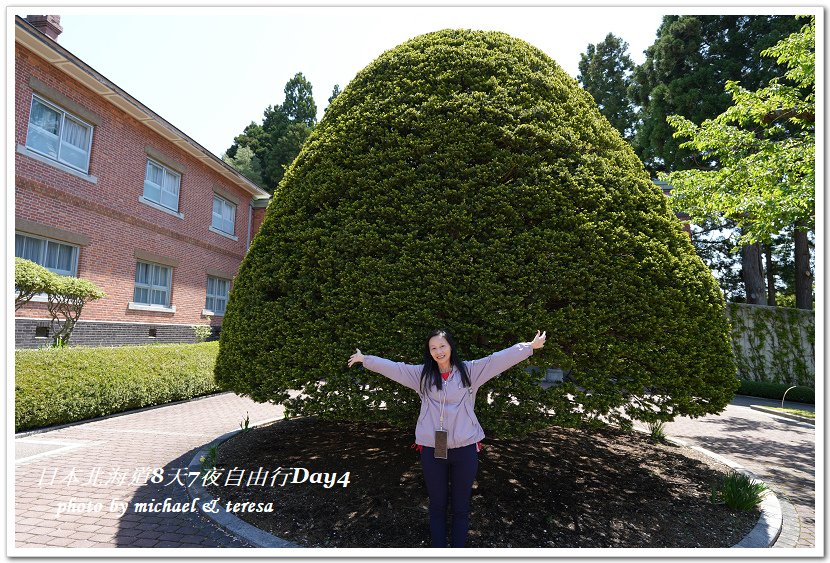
(152, 284)
(58, 135)
(224, 215)
(161, 185)
(58, 257)
(217, 295)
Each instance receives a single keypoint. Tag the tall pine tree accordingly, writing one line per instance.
(285, 127)
(605, 71)
(685, 72)
(299, 104)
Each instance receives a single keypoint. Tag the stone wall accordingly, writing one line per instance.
(775, 344)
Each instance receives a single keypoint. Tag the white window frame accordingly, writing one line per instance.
(73, 272)
(64, 115)
(166, 170)
(218, 223)
(150, 287)
(211, 298)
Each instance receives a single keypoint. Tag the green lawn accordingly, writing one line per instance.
(799, 412)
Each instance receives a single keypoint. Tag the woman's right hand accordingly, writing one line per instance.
(356, 358)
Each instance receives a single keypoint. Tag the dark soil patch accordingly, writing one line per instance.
(555, 488)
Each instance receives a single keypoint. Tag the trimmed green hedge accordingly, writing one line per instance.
(776, 391)
(61, 385)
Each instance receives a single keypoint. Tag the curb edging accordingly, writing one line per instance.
(224, 519)
(771, 521)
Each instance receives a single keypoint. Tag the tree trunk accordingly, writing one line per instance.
(803, 275)
(752, 271)
(770, 275)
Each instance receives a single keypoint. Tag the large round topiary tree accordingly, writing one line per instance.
(463, 180)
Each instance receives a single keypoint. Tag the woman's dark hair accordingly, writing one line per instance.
(431, 375)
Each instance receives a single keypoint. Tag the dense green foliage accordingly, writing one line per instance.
(253, 137)
(764, 145)
(605, 72)
(247, 164)
(61, 385)
(276, 142)
(464, 180)
(763, 152)
(686, 69)
(299, 105)
(684, 73)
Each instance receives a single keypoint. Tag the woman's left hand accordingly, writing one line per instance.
(538, 340)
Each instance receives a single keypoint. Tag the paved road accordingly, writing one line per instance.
(780, 451)
(112, 460)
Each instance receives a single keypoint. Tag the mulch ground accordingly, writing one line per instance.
(556, 488)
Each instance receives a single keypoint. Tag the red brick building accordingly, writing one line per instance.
(107, 190)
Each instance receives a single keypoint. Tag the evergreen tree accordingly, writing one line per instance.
(334, 93)
(605, 72)
(463, 179)
(277, 141)
(762, 149)
(253, 136)
(285, 146)
(246, 162)
(299, 106)
(685, 72)
(274, 120)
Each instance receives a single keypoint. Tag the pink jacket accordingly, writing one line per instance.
(460, 421)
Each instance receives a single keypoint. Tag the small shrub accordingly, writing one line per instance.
(245, 425)
(61, 385)
(657, 430)
(208, 460)
(776, 391)
(738, 492)
(202, 332)
(67, 297)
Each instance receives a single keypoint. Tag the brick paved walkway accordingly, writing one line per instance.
(779, 451)
(76, 463)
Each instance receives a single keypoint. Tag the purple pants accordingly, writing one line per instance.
(446, 479)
